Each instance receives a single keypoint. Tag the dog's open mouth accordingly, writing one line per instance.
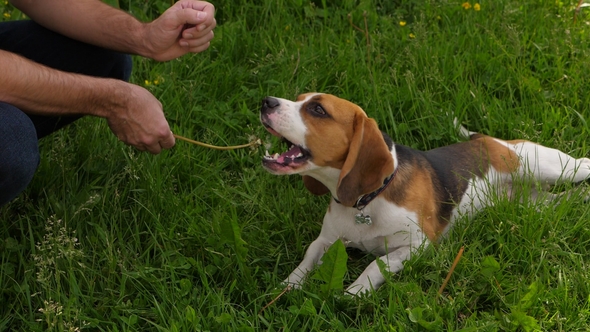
(289, 160)
(295, 155)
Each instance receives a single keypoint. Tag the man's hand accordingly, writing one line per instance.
(134, 115)
(186, 27)
(140, 121)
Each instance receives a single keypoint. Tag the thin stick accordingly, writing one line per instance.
(253, 143)
(455, 262)
(578, 7)
(368, 38)
(296, 64)
(288, 288)
(354, 26)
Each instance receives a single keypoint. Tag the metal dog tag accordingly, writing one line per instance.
(361, 218)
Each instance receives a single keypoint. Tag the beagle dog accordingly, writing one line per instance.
(389, 199)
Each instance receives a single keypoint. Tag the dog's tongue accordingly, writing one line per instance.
(290, 155)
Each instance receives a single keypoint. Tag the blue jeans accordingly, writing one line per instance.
(20, 131)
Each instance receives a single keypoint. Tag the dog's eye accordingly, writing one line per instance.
(318, 109)
(315, 109)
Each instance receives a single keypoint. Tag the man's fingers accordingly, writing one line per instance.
(200, 48)
(198, 31)
(198, 44)
(154, 149)
(140, 147)
(198, 5)
(168, 142)
(192, 17)
(155, 145)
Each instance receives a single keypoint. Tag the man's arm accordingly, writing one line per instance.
(185, 27)
(134, 115)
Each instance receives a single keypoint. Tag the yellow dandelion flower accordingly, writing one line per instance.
(158, 80)
(287, 28)
(402, 23)
(412, 35)
(466, 5)
(5, 3)
(147, 82)
(476, 7)
(7, 15)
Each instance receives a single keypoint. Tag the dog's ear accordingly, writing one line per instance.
(367, 164)
(314, 186)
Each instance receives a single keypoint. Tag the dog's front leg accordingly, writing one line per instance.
(372, 277)
(312, 257)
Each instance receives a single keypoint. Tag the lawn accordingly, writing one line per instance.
(106, 238)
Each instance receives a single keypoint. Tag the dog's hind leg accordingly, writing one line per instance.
(547, 197)
(550, 166)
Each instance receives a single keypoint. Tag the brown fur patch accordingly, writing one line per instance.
(412, 189)
(328, 138)
(314, 186)
(431, 183)
(421, 199)
(500, 157)
(367, 164)
(345, 138)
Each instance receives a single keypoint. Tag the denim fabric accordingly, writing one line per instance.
(19, 131)
(19, 153)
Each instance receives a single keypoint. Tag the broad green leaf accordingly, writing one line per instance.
(520, 319)
(529, 298)
(224, 318)
(333, 267)
(191, 314)
(232, 235)
(425, 317)
(489, 267)
(306, 309)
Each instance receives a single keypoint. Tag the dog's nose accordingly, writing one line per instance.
(269, 103)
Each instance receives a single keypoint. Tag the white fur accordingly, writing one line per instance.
(288, 121)
(393, 235)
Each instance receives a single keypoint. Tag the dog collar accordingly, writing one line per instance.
(365, 199)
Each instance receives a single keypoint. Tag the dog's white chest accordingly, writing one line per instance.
(391, 227)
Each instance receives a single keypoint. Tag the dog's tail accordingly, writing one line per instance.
(464, 132)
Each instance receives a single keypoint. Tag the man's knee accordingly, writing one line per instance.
(19, 152)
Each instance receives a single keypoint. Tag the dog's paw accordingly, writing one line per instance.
(357, 289)
(291, 284)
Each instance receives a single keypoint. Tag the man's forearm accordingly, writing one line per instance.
(37, 89)
(90, 21)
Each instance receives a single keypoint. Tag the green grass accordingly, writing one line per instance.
(109, 239)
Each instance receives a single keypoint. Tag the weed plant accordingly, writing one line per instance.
(106, 238)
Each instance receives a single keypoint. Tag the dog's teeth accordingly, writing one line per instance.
(299, 155)
(266, 154)
(276, 156)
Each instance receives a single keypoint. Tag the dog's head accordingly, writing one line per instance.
(332, 143)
